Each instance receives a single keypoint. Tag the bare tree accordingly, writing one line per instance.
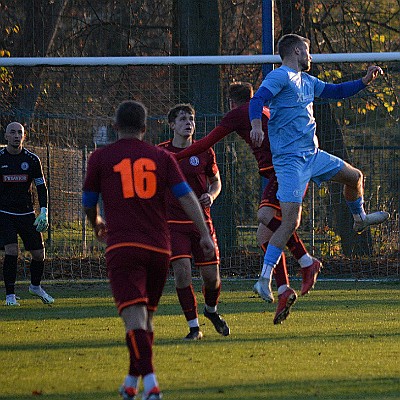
(44, 19)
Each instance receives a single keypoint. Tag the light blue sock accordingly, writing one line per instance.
(271, 258)
(272, 255)
(357, 208)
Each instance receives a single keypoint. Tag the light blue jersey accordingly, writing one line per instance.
(292, 127)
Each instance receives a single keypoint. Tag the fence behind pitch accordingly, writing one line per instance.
(73, 113)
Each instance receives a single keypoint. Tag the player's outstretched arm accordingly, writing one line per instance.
(350, 88)
(204, 144)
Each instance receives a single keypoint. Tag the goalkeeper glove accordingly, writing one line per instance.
(41, 221)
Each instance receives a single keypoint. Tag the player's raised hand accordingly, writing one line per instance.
(372, 73)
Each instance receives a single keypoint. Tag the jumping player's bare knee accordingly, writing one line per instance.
(289, 225)
(356, 180)
(265, 214)
(354, 187)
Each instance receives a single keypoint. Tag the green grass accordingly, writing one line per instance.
(341, 342)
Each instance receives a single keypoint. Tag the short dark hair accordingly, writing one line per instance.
(174, 111)
(287, 44)
(240, 92)
(131, 114)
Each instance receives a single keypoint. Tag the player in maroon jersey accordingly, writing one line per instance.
(133, 178)
(19, 169)
(202, 174)
(237, 120)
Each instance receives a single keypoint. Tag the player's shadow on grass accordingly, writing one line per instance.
(70, 345)
(283, 389)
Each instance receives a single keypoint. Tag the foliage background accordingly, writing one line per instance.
(68, 111)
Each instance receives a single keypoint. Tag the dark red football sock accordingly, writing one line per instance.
(280, 272)
(188, 302)
(140, 352)
(296, 246)
(211, 296)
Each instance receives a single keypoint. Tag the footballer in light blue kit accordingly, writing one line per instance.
(289, 92)
(292, 127)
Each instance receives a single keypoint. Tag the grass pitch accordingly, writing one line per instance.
(340, 342)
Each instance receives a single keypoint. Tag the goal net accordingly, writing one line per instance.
(68, 110)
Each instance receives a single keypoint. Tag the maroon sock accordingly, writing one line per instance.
(151, 336)
(188, 302)
(274, 224)
(140, 352)
(211, 296)
(280, 272)
(296, 246)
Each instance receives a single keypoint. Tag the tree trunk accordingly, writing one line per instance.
(44, 17)
(197, 32)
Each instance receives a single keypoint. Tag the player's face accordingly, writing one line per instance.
(304, 57)
(184, 125)
(15, 135)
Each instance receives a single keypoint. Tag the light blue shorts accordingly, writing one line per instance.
(294, 172)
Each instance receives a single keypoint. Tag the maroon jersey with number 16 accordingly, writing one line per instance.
(134, 176)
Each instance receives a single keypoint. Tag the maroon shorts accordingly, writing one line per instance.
(185, 243)
(268, 198)
(137, 276)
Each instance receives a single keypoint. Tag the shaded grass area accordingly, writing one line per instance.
(340, 342)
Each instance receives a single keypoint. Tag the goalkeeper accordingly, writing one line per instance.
(19, 168)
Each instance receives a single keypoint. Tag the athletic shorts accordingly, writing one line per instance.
(137, 276)
(268, 198)
(13, 225)
(295, 171)
(185, 243)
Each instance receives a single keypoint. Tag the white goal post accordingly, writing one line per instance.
(192, 60)
(69, 102)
